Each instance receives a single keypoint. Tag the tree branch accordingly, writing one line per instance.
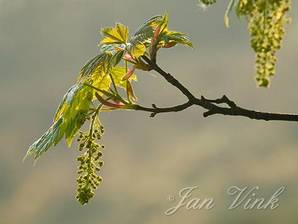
(223, 105)
(155, 110)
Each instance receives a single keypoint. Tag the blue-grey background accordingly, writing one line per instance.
(43, 44)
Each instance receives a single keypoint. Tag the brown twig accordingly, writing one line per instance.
(223, 105)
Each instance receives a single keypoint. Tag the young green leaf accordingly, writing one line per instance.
(149, 26)
(70, 116)
(137, 49)
(117, 57)
(171, 38)
(118, 74)
(99, 62)
(73, 110)
(50, 138)
(115, 35)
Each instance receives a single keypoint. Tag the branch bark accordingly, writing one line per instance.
(223, 105)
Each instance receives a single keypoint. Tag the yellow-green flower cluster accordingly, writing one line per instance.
(90, 162)
(266, 22)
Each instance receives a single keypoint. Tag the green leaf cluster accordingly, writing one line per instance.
(105, 84)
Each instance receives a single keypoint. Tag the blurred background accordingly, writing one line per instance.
(43, 45)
